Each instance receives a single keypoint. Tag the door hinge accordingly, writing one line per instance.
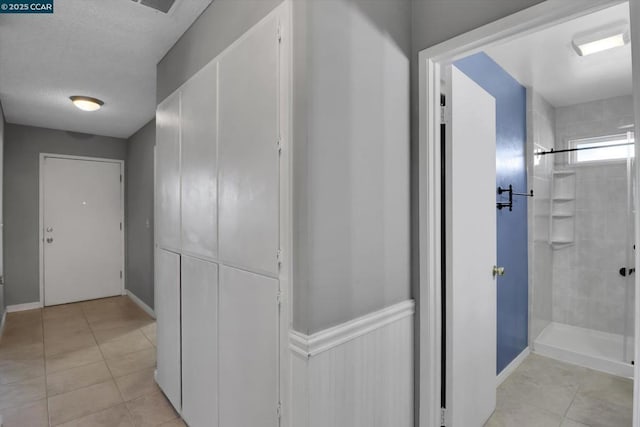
(279, 34)
(279, 410)
(121, 274)
(443, 417)
(279, 257)
(443, 114)
(120, 226)
(279, 145)
(120, 178)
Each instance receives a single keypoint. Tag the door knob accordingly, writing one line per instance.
(49, 239)
(498, 271)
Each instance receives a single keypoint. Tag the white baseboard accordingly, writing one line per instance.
(23, 307)
(511, 367)
(140, 304)
(358, 374)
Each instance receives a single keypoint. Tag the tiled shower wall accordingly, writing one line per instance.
(540, 136)
(587, 289)
(597, 118)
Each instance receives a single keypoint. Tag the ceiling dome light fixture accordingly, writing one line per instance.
(86, 103)
(601, 40)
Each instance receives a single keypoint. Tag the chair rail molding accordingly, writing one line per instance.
(359, 373)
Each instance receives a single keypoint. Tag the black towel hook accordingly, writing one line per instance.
(509, 190)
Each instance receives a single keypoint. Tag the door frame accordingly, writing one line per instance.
(535, 18)
(41, 182)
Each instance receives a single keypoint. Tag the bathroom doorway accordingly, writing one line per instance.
(578, 278)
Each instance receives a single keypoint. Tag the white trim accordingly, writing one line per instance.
(41, 213)
(540, 16)
(285, 112)
(381, 357)
(511, 367)
(311, 345)
(141, 303)
(23, 307)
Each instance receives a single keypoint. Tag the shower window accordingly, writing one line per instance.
(602, 149)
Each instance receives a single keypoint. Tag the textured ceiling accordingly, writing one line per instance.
(107, 49)
(546, 61)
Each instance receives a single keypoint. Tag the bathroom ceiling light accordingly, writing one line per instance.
(86, 103)
(601, 40)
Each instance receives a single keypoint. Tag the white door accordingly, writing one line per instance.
(167, 213)
(248, 349)
(198, 167)
(471, 253)
(248, 152)
(199, 342)
(167, 308)
(82, 217)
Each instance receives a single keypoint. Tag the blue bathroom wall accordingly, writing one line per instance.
(511, 128)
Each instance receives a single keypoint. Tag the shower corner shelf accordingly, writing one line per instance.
(562, 208)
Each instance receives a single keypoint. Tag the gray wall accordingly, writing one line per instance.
(217, 27)
(139, 212)
(351, 159)
(23, 144)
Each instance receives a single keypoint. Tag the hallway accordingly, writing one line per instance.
(83, 364)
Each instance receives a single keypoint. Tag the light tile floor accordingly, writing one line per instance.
(84, 364)
(543, 392)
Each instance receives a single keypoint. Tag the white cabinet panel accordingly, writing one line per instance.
(167, 307)
(248, 153)
(199, 342)
(168, 173)
(199, 166)
(248, 349)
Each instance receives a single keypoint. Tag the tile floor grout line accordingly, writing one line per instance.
(105, 362)
(113, 378)
(44, 361)
(573, 399)
(43, 323)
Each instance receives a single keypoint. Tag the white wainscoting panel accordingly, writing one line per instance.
(358, 374)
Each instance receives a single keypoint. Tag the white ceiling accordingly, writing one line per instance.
(546, 61)
(107, 49)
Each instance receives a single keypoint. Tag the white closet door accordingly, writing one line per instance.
(167, 307)
(199, 163)
(199, 342)
(248, 349)
(248, 152)
(168, 175)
